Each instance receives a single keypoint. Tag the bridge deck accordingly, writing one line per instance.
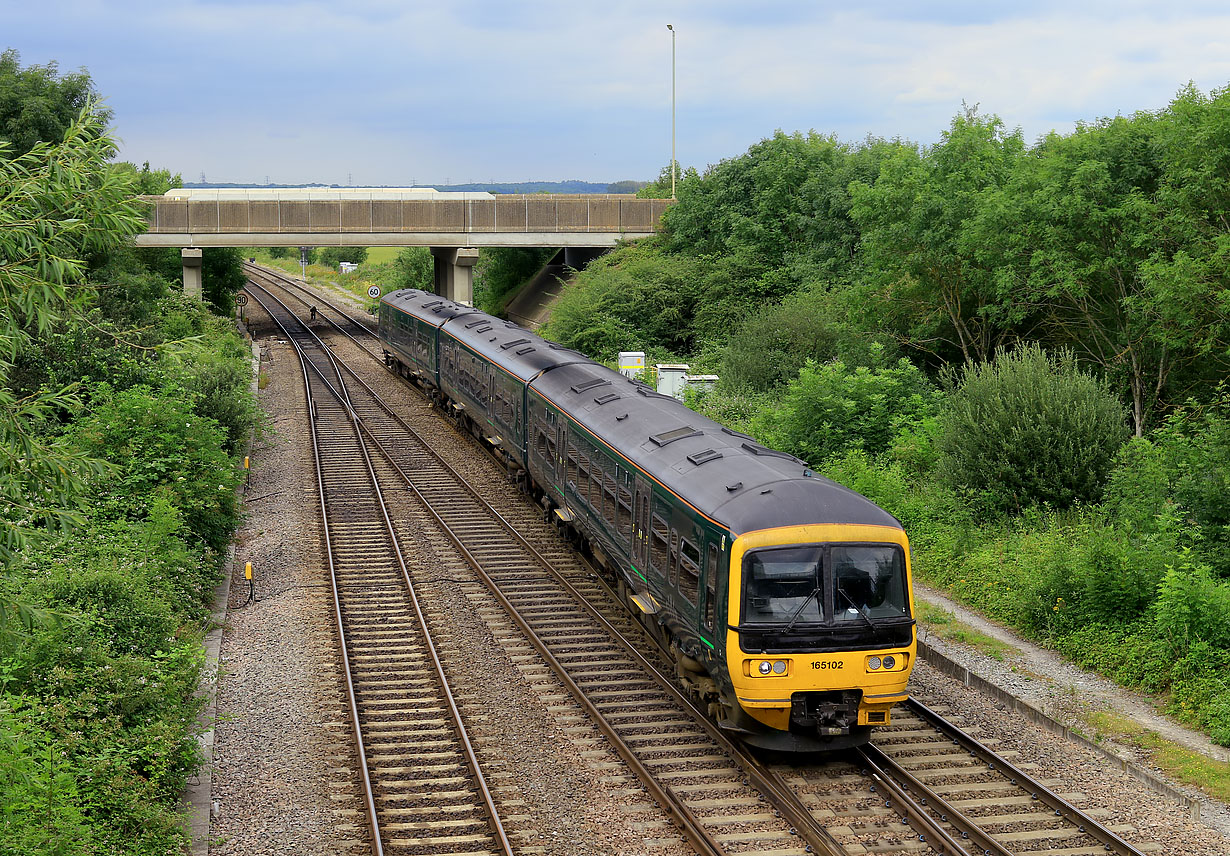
(519, 221)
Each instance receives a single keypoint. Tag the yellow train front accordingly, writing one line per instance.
(820, 634)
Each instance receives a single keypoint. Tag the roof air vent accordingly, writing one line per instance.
(667, 437)
(590, 384)
(705, 456)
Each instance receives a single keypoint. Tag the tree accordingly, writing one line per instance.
(332, 256)
(1188, 276)
(627, 186)
(151, 182)
(59, 202)
(38, 105)
(916, 252)
(222, 275)
(1069, 235)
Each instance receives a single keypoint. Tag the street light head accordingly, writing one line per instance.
(669, 27)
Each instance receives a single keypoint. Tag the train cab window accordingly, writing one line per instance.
(868, 582)
(689, 570)
(711, 569)
(659, 549)
(783, 584)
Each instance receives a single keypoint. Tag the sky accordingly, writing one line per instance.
(400, 92)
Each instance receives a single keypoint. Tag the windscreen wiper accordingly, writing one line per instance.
(798, 610)
(861, 610)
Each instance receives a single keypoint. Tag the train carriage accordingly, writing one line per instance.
(784, 597)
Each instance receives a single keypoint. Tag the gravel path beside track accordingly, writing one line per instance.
(283, 780)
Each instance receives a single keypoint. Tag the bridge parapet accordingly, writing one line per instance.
(520, 220)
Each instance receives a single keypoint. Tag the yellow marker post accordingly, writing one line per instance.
(247, 469)
(247, 575)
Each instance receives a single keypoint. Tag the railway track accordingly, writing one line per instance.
(423, 785)
(901, 795)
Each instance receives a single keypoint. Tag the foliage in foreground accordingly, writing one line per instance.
(110, 540)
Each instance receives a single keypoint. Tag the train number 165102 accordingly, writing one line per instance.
(827, 664)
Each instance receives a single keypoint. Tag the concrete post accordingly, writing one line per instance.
(192, 271)
(454, 273)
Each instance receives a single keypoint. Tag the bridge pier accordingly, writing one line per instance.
(191, 257)
(454, 273)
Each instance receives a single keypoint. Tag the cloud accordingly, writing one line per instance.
(389, 89)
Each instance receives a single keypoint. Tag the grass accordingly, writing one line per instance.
(380, 255)
(1178, 762)
(944, 624)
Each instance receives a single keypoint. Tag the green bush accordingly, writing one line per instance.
(772, 345)
(40, 811)
(332, 256)
(1193, 606)
(1030, 428)
(829, 409)
(160, 447)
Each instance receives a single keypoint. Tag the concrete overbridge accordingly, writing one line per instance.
(453, 225)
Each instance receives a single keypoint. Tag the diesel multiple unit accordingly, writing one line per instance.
(784, 597)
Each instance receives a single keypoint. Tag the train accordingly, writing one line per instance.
(784, 598)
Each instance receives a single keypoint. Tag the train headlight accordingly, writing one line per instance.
(779, 667)
(873, 663)
(765, 667)
(890, 662)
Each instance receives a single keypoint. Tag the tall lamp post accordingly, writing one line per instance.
(672, 29)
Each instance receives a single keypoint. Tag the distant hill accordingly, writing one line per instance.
(575, 186)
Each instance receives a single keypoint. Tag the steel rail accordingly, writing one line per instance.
(900, 782)
(1062, 808)
(369, 801)
(343, 398)
(289, 285)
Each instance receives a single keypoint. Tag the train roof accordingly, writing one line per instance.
(727, 476)
(524, 354)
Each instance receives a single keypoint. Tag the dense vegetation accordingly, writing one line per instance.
(1021, 351)
(121, 405)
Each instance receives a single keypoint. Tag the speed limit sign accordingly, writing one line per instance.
(241, 299)
(373, 292)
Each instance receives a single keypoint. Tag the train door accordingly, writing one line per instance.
(640, 528)
(709, 591)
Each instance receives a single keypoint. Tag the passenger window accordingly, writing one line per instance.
(623, 521)
(572, 465)
(608, 498)
(583, 476)
(659, 548)
(689, 570)
(674, 556)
